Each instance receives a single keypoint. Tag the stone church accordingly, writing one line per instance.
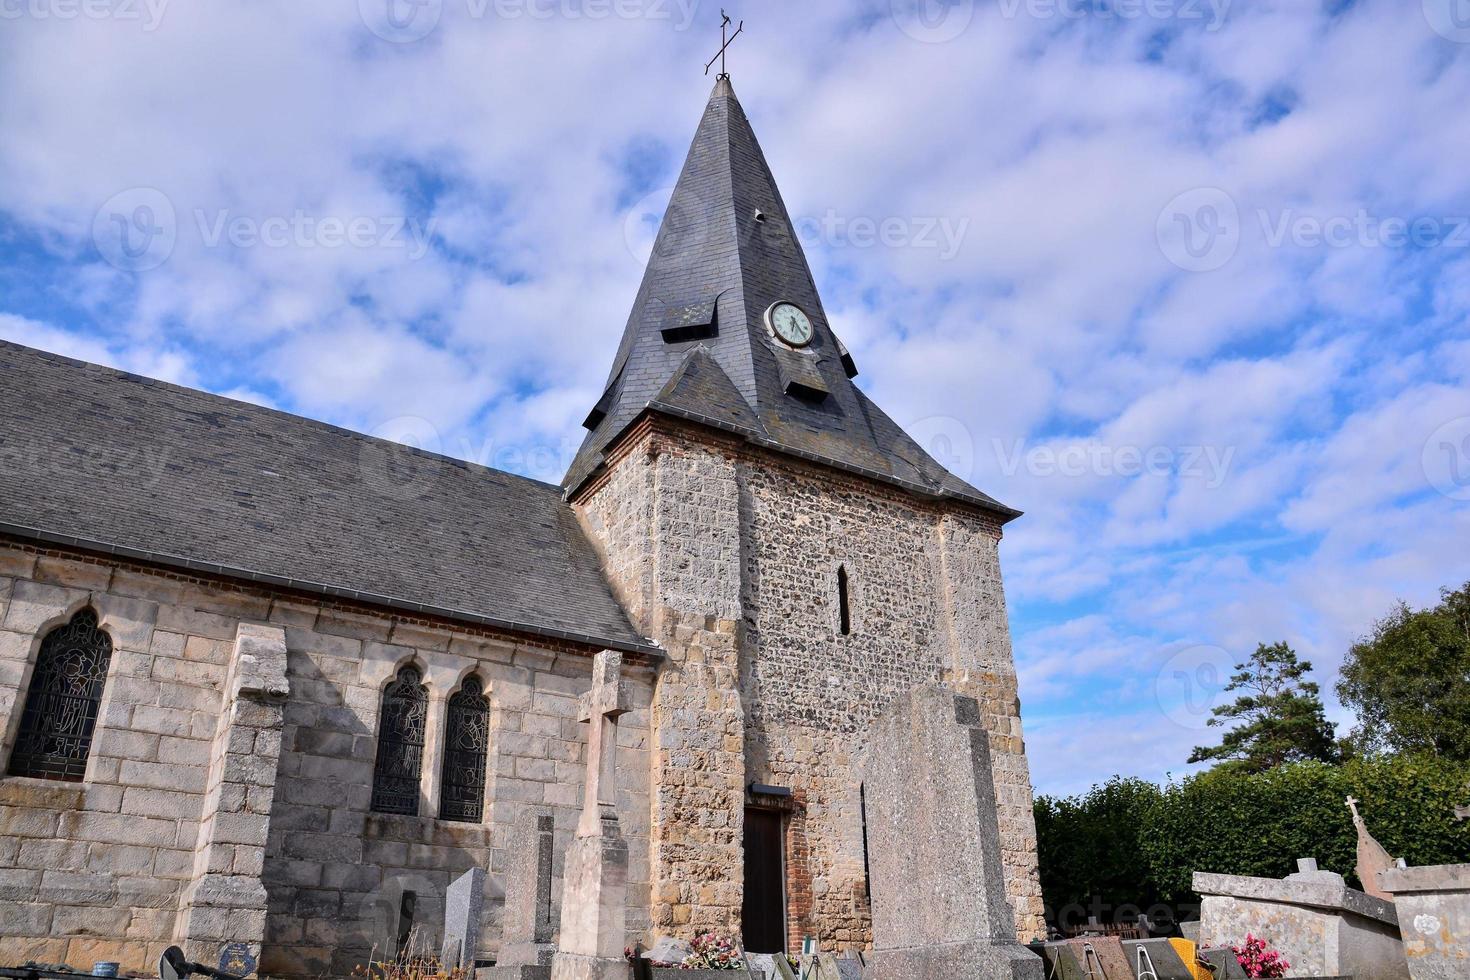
(272, 682)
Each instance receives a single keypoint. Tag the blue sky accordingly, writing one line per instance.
(1185, 281)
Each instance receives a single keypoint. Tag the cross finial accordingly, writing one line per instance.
(724, 43)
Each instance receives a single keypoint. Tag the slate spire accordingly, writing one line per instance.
(697, 344)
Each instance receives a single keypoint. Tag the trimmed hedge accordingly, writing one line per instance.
(1130, 842)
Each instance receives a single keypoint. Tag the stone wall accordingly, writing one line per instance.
(177, 815)
(669, 526)
(729, 558)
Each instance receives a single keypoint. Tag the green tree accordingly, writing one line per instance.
(1280, 715)
(1408, 682)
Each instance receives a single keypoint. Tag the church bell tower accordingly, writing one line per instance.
(802, 561)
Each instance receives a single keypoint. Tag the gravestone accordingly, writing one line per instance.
(819, 966)
(1223, 962)
(849, 969)
(669, 950)
(1102, 955)
(938, 884)
(527, 928)
(594, 911)
(782, 968)
(1059, 960)
(464, 904)
(1158, 955)
(760, 965)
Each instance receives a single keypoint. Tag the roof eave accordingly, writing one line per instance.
(1001, 511)
(182, 563)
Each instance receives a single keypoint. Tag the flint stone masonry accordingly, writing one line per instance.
(1433, 906)
(728, 558)
(939, 899)
(1320, 925)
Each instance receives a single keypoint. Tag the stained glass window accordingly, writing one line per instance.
(62, 701)
(467, 736)
(401, 724)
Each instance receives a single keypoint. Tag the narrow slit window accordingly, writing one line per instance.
(844, 613)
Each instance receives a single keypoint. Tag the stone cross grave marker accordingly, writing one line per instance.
(595, 886)
(600, 708)
(1463, 812)
(1372, 858)
(463, 905)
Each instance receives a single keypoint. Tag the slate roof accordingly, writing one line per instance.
(696, 344)
(120, 463)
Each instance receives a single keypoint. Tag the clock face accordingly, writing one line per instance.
(790, 323)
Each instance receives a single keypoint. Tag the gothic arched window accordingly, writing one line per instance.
(466, 738)
(401, 723)
(62, 701)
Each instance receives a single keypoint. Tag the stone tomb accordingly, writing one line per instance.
(1433, 905)
(939, 899)
(1318, 924)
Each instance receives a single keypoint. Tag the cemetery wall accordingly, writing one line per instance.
(100, 869)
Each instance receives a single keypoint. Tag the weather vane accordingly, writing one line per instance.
(724, 43)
